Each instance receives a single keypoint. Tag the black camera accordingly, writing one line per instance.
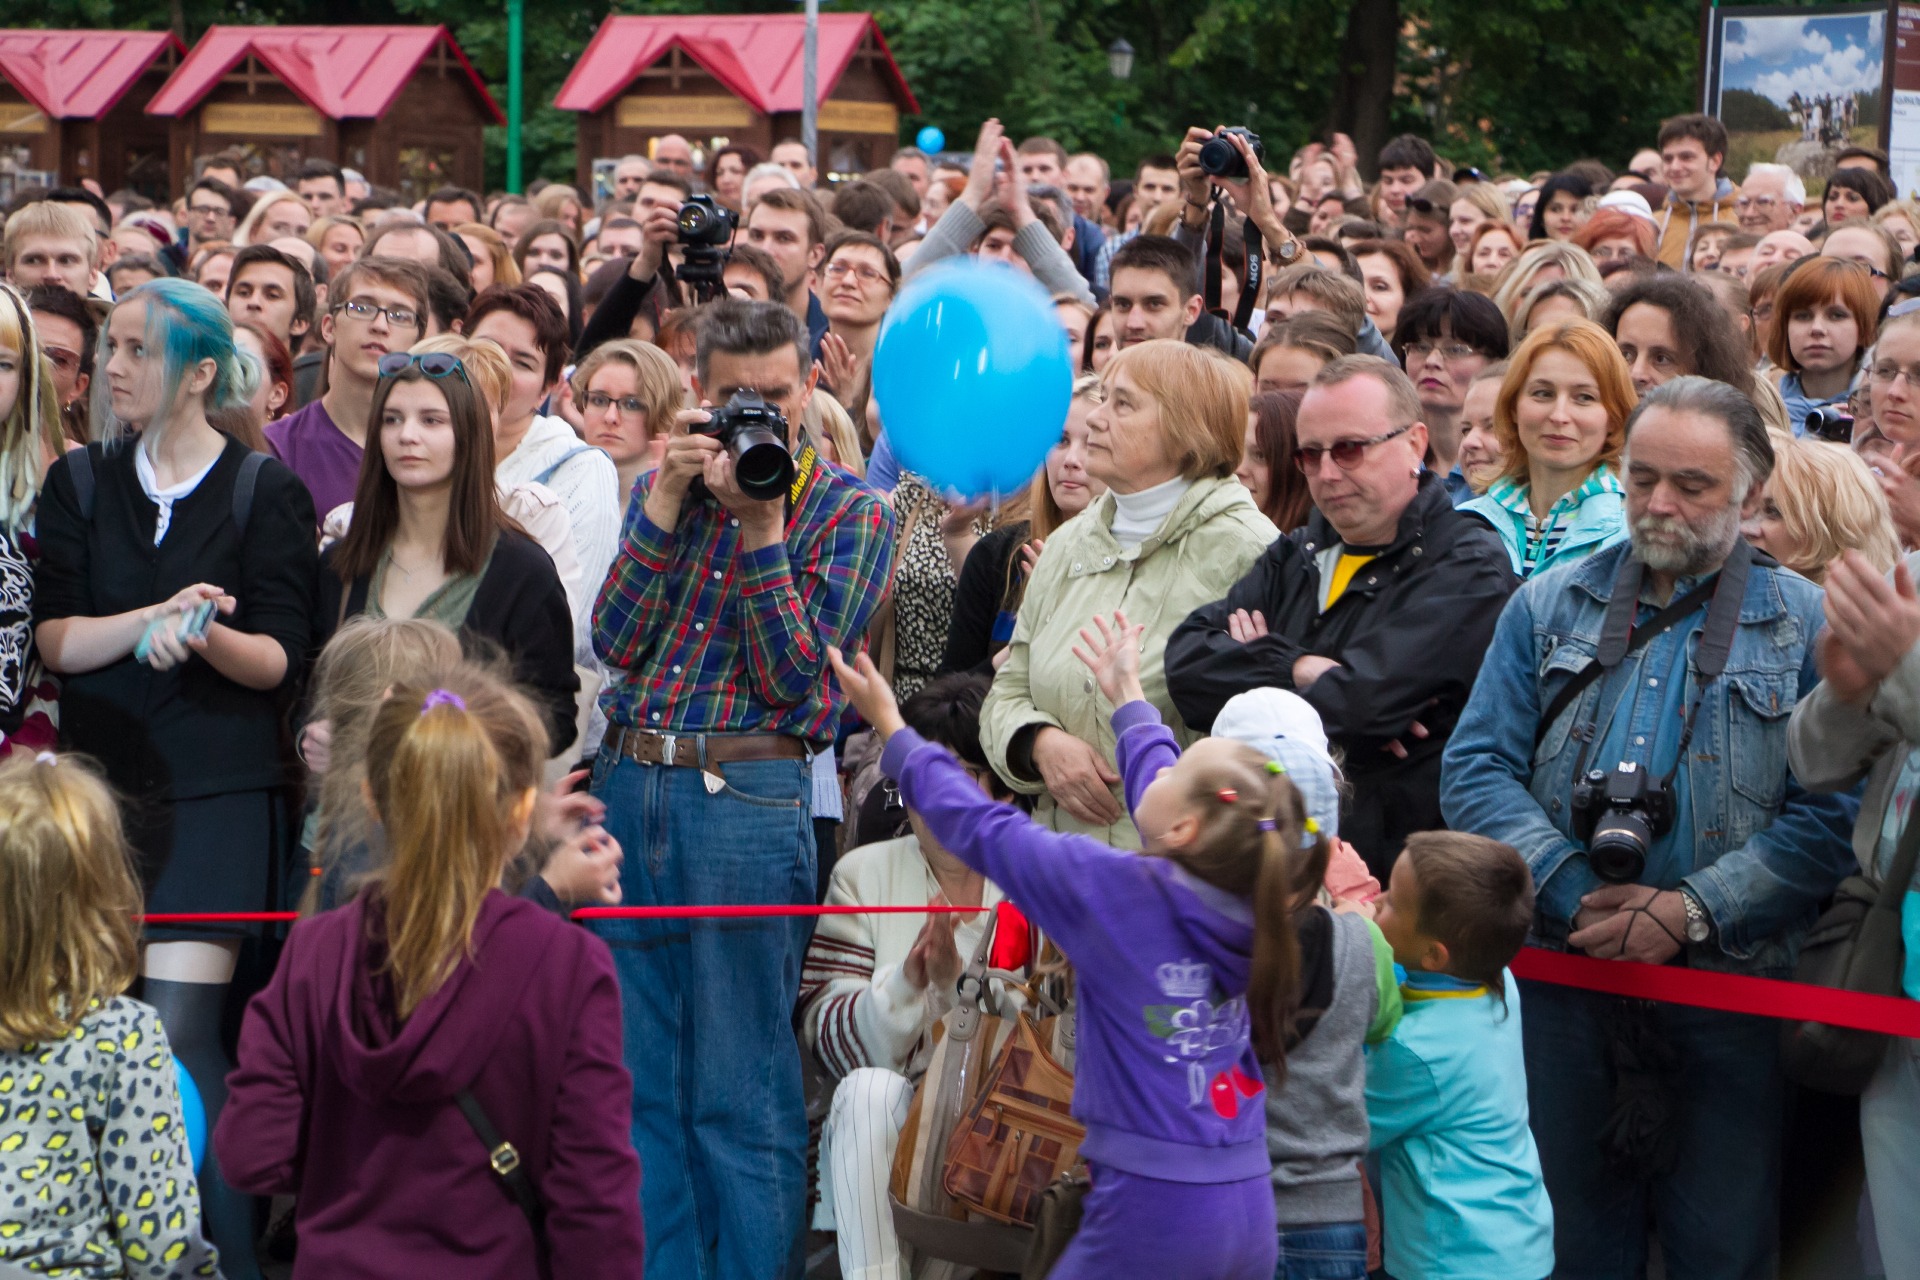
(755, 433)
(1219, 157)
(706, 229)
(1619, 814)
(1831, 422)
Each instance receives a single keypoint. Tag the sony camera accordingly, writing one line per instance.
(755, 433)
(1831, 422)
(1219, 157)
(1619, 814)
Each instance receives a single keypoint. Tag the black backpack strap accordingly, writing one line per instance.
(243, 485)
(80, 467)
(505, 1161)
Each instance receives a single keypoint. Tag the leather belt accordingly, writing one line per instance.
(701, 750)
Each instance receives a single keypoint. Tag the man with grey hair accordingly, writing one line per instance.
(1376, 611)
(1770, 199)
(1628, 735)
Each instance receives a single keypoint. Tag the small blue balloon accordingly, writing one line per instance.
(931, 140)
(972, 377)
(193, 1112)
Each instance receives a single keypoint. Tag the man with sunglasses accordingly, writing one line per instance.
(379, 306)
(1377, 611)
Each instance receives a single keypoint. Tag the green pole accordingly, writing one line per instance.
(516, 59)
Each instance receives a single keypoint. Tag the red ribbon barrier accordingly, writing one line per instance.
(1698, 988)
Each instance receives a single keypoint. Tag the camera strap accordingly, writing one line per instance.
(1256, 258)
(1619, 637)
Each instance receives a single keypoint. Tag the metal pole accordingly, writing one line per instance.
(516, 59)
(809, 87)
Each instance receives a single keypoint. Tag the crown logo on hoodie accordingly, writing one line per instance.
(1185, 979)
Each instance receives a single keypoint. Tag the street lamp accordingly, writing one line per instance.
(1120, 59)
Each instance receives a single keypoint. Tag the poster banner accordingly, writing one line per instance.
(1795, 86)
(1903, 131)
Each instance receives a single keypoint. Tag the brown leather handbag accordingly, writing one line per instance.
(1018, 1136)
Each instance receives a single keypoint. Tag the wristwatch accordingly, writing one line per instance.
(1699, 927)
(1287, 252)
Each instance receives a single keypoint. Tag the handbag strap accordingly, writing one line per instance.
(1900, 873)
(972, 987)
(504, 1159)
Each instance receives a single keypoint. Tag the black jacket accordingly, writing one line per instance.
(187, 732)
(520, 606)
(1409, 632)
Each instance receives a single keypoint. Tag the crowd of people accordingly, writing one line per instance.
(1425, 567)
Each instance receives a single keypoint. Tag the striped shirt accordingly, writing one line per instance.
(1545, 535)
(716, 638)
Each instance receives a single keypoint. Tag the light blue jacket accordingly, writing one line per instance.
(1461, 1190)
(1594, 516)
(1764, 851)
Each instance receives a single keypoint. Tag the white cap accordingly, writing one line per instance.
(1285, 727)
(1628, 202)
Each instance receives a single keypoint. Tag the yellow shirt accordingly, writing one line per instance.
(1342, 576)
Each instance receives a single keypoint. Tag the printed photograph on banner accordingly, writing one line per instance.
(1796, 86)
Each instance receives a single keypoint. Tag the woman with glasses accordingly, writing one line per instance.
(1824, 320)
(428, 538)
(1561, 421)
(858, 278)
(1174, 531)
(174, 599)
(1445, 337)
(1893, 381)
(627, 393)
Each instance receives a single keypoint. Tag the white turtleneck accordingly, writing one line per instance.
(1137, 515)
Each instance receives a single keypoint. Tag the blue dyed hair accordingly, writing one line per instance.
(186, 324)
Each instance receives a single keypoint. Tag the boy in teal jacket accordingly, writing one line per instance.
(1447, 1092)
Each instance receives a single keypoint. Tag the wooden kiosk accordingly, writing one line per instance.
(400, 104)
(72, 104)
(736, 79)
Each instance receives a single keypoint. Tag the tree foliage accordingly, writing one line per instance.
(1515, 83)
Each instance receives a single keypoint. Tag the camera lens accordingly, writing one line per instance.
(1221, 158)
(761, 463)
(1618, 850)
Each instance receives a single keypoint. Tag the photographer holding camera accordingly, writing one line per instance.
(1628, 734)
(743, 557)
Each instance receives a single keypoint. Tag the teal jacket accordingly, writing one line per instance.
(1461, 1189)
(1593, 517)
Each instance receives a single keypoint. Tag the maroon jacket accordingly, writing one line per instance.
(335, 1103)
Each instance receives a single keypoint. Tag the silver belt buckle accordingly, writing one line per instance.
(668, 742)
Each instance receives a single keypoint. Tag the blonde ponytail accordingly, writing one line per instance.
(447, 766)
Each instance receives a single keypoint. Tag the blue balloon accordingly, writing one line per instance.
(972, 377)
(931, 140)
(194, 1112)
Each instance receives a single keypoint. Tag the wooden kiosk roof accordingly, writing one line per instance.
(79, 75)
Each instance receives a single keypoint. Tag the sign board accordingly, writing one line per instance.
(1903, 130)
(21, 117)
(682, 111)
(266, 119)
(1797, 85)
(837, 116)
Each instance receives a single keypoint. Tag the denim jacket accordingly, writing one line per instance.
(1764, 851)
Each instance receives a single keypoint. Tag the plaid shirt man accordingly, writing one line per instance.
(715, 638)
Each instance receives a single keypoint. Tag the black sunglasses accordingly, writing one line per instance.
(435, 364)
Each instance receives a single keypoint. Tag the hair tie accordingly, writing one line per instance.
(1313, 827)
(47, 758)
(1268, 824)
(1275, 767)
(442, 698)
(1226, 795)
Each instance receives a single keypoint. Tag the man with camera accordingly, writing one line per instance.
(1628, 734)
(1224, 164)
(742, 559)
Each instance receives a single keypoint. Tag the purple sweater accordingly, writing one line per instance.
(335, 1103)
(1166, 1080)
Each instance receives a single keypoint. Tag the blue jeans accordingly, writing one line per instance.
(1717, 1209)
(718, 1117)
(1331, 1251)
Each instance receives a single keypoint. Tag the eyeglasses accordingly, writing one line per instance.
(1885, 372)
(859, 271)
(1755, 202)
(1346, 454)
(1421, 205)
(399, 317)
(1452, 352)
(600, 401)
(435, 364)
(209, 210)
(62, 359)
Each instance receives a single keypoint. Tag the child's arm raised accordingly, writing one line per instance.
(1143, 745)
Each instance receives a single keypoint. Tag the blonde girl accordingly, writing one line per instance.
(30, 440)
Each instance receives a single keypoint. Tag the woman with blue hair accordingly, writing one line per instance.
(174, 598)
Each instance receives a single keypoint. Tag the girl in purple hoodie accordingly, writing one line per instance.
(1185, 961)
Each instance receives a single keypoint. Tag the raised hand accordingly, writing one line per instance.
(1113, 655)
(868, 691)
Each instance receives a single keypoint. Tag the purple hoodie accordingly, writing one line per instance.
(1166, 1080)
(355, 1115)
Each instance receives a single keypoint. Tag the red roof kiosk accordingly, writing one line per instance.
(735, 79)
(71, 105)
(400, 104)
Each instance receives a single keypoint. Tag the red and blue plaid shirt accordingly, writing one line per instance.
(716, 638)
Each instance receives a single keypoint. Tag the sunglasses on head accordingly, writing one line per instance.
(435, 364)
